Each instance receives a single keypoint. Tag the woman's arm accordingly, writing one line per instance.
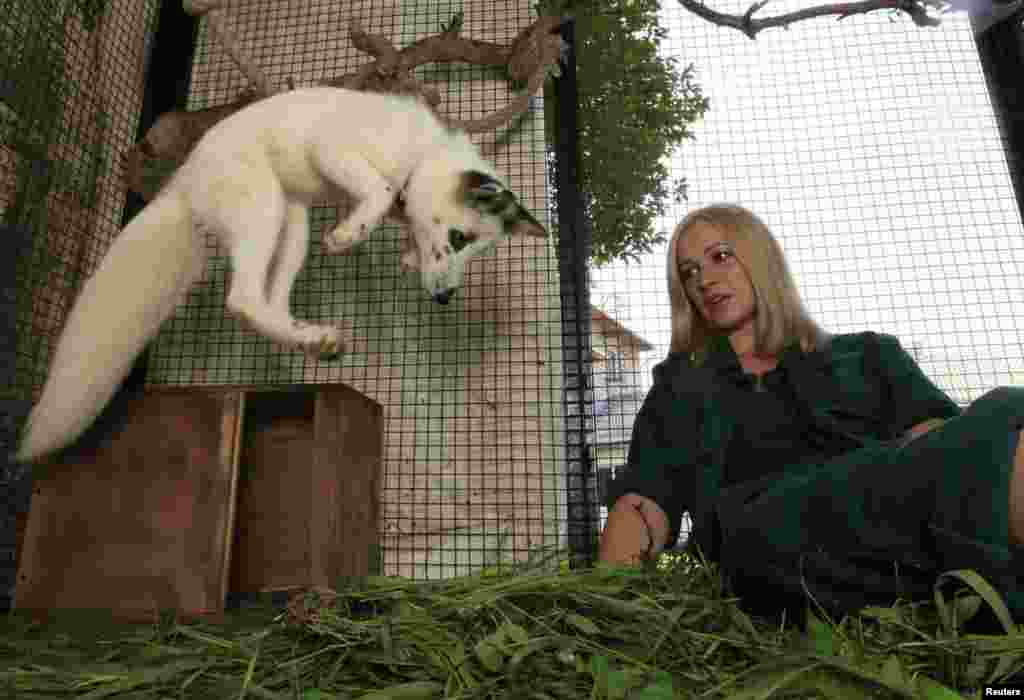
(915, 404)
(646, 502)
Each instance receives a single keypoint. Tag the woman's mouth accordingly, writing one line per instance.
(715, 301)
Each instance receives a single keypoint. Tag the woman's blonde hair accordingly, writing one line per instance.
(781, 317)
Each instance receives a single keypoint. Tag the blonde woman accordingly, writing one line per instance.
(809, 462)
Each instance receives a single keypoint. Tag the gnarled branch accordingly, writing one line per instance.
(530, 58)
(213, 10)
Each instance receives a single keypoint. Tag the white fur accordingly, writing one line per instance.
(250, 180)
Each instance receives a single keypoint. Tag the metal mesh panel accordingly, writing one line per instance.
(870, 148)
(471, 392)
(71, 87)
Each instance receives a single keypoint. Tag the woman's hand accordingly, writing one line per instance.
(637, 529)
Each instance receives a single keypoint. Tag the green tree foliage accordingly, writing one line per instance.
(635, 108)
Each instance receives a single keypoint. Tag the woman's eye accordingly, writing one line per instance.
(720, 256)
(688, 273)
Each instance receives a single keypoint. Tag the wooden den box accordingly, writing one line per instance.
(198, 492)
(309, 489)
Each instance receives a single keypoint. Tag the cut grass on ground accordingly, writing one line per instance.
(595, 634)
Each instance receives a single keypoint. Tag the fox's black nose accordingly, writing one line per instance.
(444, 296)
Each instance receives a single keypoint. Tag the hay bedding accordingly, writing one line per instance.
(599, 634)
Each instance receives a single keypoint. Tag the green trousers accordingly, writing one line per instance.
(881, 522)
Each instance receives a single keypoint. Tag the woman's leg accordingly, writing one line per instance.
(1017, 495)
(939, 503)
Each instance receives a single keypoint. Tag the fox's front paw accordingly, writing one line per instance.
(328, 347)
(342, 239)
(318, 342)
(329, 350)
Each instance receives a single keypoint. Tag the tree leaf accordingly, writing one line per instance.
(821, 636)
(775, 681)
(659, 689)
(418, 690)
(599, 670)
(583, 624)
(317, 694)
(515, 633)
(490, 655)
(893, 672)
(932, 690)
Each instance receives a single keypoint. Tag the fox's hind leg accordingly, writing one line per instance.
(291, 254)
(373, 196)
(251, 228)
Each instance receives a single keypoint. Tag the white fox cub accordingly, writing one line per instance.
(250, 180)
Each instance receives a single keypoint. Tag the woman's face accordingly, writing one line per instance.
(715, 282)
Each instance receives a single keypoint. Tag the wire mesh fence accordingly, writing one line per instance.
(870, 148)
(71, 85)
(472, 391)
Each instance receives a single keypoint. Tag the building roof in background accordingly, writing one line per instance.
(609, 327)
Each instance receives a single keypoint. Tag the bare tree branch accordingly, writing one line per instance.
(917, 9)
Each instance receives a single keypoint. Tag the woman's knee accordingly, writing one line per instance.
(1003, 400)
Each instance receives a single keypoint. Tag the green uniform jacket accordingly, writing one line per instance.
(862, 389)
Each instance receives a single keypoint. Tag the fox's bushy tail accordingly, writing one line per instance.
(145, 274)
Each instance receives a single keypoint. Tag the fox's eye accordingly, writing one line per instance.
(459, 239)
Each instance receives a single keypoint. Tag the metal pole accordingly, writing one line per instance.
(1001, 50)
(574, 247)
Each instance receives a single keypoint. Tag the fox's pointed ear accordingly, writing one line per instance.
(477, 186)
(489, 195)
(524, 224)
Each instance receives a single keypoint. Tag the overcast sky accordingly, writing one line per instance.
(870, 147)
